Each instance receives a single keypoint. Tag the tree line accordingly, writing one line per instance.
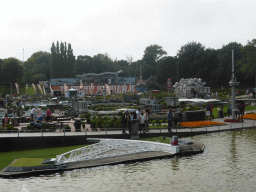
(193, 60)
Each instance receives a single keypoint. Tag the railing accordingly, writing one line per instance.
(110, 148)
(116, 131)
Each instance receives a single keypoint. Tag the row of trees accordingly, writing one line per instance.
(193, 60)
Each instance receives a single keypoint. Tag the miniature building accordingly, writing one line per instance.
(189, 88)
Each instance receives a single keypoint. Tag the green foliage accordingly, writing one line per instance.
(7, 158)
(88, 115)
(52, 129)
(82, 116)
(12, 71)
(120, 113)
(67, 129)
(27, 108)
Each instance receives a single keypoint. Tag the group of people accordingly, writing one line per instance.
(14, 117)
(209, 108)
(36, 114)
(239, 109)
(142, 117)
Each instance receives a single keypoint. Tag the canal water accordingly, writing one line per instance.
(227, 164)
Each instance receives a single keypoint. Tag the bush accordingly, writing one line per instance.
(29, 127)
(52, 129)
(88, 115)
(26, 108)
(82, 116)
(67, 129)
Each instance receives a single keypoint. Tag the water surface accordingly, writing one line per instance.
(227, 164)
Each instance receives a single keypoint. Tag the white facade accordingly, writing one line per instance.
(188, 88)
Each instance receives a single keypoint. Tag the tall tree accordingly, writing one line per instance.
(12, 71)
(189, 58)
(84, 64)
(166, 68)
(62, 61)
(70, 70)
(224, 70)
(54, 62)
(151, 55)
(247, 64)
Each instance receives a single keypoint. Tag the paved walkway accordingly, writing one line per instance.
(247, 124)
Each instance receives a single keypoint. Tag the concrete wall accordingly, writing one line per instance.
(24, 143)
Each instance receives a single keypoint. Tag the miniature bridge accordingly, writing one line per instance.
(112, 147)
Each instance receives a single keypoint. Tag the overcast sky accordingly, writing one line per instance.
(122, 27)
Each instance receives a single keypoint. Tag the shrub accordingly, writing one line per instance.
(52, 129)
(26, 108)
(88, 115)
(67, 129)
(29, 127)
(82, 116)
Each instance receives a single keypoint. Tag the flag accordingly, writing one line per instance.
(108, 89)
(17, 87)
(40, 88)
(26, 88)
(34, 87)
(65, 88)
(81, 85)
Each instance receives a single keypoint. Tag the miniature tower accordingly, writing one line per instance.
(233, 83)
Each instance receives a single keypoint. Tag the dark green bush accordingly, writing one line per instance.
(52, 129)
(67, 129)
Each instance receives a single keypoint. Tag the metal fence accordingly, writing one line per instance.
(116, 131)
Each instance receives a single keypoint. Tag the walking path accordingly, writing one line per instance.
(247, 124)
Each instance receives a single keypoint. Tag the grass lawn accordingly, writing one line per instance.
(7, 157)
(159, 126)
(27, 162)
(215, 110)
(7, 90)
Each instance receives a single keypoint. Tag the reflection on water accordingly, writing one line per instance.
(228, 164)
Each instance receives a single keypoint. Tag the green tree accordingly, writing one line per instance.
(190, 59)
(38, 63)
(247, 64)
(62, 61)
(70, 68)
(224, 68)
(12, 71)
(166, 68)
(84, 64)
(1, 74)
(151, 55)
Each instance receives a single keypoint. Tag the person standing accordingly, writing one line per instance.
(169, 119)
(48, 115)
(208, 110)
(241, 109)
(147, 113)
(124, 121)
(211, 110)
(14, 116)
(6, 119)
(142, 120)
(32, 113)
(138, 113)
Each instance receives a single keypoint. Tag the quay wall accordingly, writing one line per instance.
(25, 143)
